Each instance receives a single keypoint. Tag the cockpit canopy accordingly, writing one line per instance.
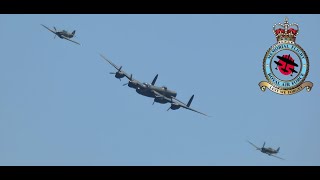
(146, 84)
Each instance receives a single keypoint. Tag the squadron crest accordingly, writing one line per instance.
(286, 64)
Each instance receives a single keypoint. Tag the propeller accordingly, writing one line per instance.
(169, 108)
(55, 30)
(119, 70)
(125, 84)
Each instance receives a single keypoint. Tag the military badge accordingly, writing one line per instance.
(286, 64)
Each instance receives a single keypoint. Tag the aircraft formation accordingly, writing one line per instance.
(162, 94)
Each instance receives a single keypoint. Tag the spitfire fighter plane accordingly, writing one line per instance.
(269, 150)
(62, 34)
(161, 95)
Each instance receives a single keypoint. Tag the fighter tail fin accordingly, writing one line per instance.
(190, 101)
(73, 32)
(278, 149)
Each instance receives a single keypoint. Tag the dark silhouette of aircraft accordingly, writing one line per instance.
(161, 95)
(286, 61)
(62, 34)
(269, 150)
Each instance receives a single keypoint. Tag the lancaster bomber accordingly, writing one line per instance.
(62, 34)
(161, 95)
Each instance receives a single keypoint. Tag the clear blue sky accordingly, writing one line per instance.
(60, 106)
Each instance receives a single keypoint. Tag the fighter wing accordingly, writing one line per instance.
(49, 29)
(253, 144)
(276, 156)
(70, 40)
(181, 104)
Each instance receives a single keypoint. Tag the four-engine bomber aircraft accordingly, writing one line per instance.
(268, 150)
(62, 34)
(160, 94)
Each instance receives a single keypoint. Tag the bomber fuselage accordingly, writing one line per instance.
(146, 89)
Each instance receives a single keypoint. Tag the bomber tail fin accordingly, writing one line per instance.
(154, 80)
(278, 149)
(73, 32)
(190, 101)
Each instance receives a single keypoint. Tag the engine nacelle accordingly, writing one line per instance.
(174, 106)
(160, 100)
(119, 75)
(132, 84)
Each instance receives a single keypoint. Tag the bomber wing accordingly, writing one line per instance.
(130, 78)
(181, 104)
(189, 108)
(115, 66)
(157, 94)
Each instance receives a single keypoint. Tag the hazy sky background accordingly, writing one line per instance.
(60, 106)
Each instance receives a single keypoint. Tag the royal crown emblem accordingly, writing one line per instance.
(286, 64)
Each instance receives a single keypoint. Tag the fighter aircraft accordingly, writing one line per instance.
(62, 34)
(161, 95)
(269, 150)
(286, 61)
